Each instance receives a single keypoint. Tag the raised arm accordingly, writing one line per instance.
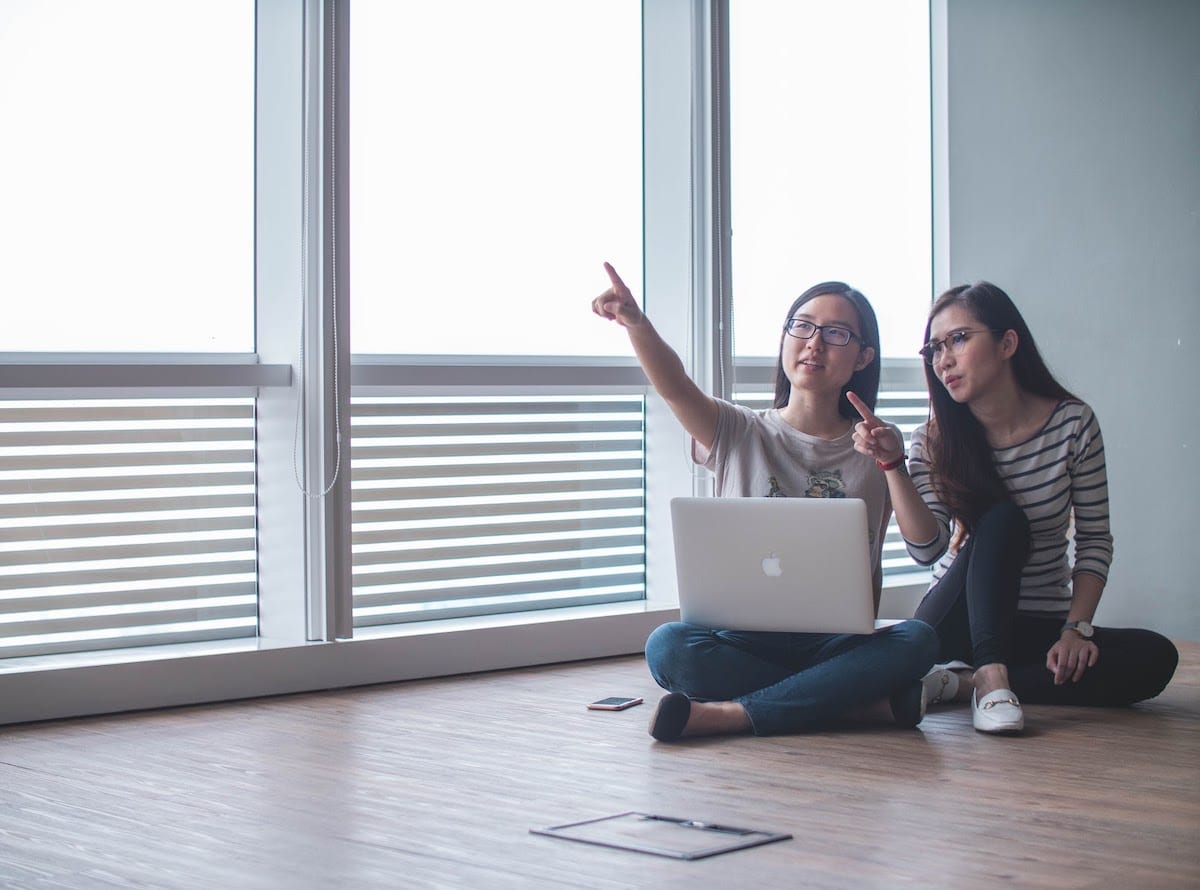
(881, 441)
(695, 409)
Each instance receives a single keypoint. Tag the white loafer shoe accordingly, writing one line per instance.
(942, 681)
(940, 684)
(998, 711)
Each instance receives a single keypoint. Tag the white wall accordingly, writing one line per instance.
(1073, 141)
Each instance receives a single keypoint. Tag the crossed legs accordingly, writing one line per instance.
(769, 683)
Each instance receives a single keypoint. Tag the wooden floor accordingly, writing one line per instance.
(437, 783)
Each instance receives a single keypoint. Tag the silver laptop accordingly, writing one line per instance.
(780, 564)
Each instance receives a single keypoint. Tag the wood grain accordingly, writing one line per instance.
(436, 784)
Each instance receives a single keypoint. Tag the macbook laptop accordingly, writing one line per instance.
(779, 564)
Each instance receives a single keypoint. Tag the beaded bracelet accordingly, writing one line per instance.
(893, 465)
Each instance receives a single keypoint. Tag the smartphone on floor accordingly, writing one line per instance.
(614, 703)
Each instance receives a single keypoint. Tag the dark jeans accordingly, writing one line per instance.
(789, 682)
(973, 608)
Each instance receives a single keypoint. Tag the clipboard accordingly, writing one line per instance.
(662, 835)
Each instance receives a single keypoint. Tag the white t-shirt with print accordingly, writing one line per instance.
(758, 454)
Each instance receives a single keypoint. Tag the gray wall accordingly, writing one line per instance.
(1073, 140)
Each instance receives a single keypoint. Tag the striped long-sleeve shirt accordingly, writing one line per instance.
(1057, 476)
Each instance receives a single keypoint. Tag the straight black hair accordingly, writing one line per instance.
(863, 383)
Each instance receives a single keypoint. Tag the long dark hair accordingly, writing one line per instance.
(863, 383)
(959, 455)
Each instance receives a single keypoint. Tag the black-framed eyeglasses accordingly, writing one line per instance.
(953, 341)
(831, 334)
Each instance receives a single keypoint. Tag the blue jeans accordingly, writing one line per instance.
(789, 682)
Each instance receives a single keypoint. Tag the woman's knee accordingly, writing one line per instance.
(1007, 513)
(660, 641)
(916, 631)
(666, 636)
(1007, 522)
(1134, 665)
(666, 646)
(921, 643)
(1160, 659)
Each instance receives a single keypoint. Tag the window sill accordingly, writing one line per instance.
(61, 686)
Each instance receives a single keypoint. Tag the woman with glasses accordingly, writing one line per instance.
(1012, 468)
(730, 681)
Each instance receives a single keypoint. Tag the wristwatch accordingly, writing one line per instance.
(1083, 628)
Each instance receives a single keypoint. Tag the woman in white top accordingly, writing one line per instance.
(726, 680)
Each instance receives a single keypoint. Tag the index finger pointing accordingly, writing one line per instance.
(861, 407)
(614, 277)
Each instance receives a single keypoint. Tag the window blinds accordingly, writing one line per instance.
(125, 523)
(470, 506)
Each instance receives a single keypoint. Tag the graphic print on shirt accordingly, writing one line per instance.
(776, 491)
(826, 484)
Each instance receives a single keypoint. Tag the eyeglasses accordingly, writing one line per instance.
(953, 342)
(831, 334)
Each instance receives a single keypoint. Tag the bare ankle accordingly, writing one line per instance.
(990, 677)
(966, 685)
(717, 718)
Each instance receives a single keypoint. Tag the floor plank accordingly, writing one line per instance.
(437, 783)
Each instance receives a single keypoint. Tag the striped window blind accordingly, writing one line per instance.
(125, 523)
(479, 505)
(907, 408)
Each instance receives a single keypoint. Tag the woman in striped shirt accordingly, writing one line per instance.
(1007, 474)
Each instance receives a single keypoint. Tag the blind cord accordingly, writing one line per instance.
(304, 277)
(724, 312)
(690, 339)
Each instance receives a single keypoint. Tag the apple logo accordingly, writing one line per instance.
(771, 565)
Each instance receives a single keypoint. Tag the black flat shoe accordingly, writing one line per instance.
(908, 704)
(671, 716)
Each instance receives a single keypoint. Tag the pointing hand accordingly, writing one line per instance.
(617, 303)
(872, 436)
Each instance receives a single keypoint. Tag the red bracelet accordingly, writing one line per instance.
(893, 465)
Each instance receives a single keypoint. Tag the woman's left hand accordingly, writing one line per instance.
(1070, 657)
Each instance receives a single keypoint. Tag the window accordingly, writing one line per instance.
(830, 156)
(493, 171)
(174, 373)
(126, 521)
(128, 184)
(496, 151)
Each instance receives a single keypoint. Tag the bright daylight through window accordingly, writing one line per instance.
(496, 151)
(128, 184)
(829, 107)
(493, 171)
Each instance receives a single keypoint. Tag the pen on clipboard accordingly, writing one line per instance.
(696, 823)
